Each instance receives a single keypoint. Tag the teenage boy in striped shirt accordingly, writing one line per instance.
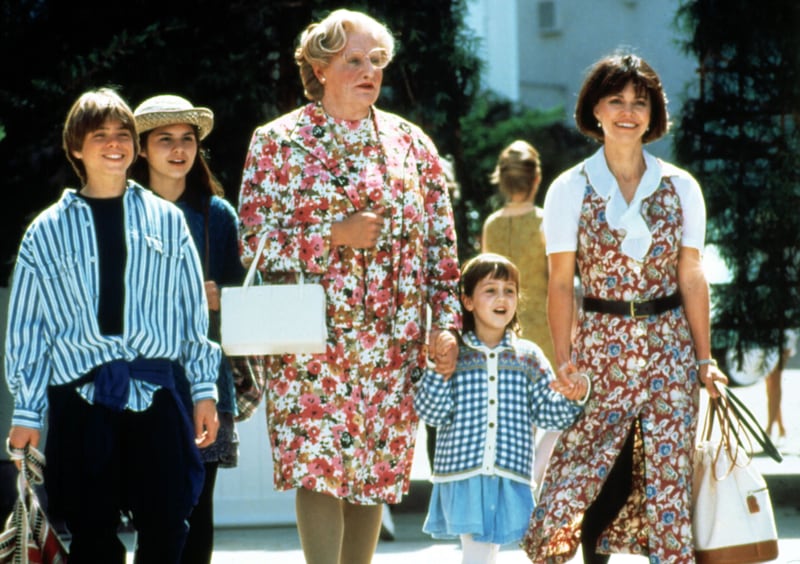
(107, 310)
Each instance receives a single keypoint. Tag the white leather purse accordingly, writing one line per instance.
(273, 318)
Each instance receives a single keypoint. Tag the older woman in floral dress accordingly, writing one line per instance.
(354, 198)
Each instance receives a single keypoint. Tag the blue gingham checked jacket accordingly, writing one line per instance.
(486, 412)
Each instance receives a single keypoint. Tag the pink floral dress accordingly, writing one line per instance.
(643, 373)
(343, 422)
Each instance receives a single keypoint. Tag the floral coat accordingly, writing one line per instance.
(343, 422)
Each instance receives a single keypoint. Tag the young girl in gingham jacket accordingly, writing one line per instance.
(486, 414)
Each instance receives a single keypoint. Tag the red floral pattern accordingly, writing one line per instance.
(343, 422)
(642, 371)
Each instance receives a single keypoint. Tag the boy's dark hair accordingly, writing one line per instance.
(89, 113)
(609, 76)
(476, 269)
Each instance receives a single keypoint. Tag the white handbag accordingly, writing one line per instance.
(273, 318)
(733, 520)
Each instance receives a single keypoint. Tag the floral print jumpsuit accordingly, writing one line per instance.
(343, 422)
(643, 374)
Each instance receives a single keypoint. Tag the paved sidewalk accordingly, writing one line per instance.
(280, 544)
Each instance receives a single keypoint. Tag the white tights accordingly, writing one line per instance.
(474, 552)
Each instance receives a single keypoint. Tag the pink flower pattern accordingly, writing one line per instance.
(345, 415)
(643, 373)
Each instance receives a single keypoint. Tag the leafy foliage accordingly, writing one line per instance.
(234, 56)
(740, 136)
(491, 125)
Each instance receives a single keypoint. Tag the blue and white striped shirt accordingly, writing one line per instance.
(53, 336)
(485, 413)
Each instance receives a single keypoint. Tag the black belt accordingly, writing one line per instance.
(633, 309)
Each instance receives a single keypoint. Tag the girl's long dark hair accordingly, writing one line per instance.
(201, 183)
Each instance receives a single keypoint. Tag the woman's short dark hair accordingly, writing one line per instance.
(609, 76)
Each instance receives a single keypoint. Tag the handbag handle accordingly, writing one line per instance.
(31, 472)
(251, 272)
(738, 425)
(729, 442)
(31, 464)
(749, 423)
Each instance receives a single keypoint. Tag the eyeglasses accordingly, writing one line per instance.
(356, 59)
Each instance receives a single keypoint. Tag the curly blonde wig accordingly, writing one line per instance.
(320, 41)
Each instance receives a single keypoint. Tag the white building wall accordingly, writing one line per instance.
(553, 63)
(495, 22)
(244, 495)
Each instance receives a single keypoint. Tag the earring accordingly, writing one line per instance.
(322, 79)
(599, 125)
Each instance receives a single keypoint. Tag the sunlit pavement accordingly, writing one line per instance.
(280, 545)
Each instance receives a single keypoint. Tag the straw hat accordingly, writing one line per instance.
(168, 110)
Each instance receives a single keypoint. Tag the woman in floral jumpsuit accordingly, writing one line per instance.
(355, 198)
(620, 478)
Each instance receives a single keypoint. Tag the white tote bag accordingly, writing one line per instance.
(273, 318)
(733, 520)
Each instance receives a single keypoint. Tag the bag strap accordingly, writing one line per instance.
(32, 463)
(729, 443)
(738, 425)
(750, 424)
(31, 472)
(28, 528)
(251, 272)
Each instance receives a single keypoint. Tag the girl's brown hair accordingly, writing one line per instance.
(476, 269)
(518, 170)
(201, 183)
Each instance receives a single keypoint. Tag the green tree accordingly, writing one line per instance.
(487, 129)
(740, 136)
(234, 56)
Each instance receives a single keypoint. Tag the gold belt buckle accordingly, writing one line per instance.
(633, 310)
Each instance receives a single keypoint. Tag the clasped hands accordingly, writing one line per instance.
(570, 383)
(443, 352)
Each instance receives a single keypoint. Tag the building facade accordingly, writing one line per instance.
(538, 51)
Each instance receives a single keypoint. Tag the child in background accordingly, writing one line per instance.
(515, 231)
(485, 415)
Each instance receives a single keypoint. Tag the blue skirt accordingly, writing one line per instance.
(492, 509)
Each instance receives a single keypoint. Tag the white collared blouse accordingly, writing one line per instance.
(566, 194)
